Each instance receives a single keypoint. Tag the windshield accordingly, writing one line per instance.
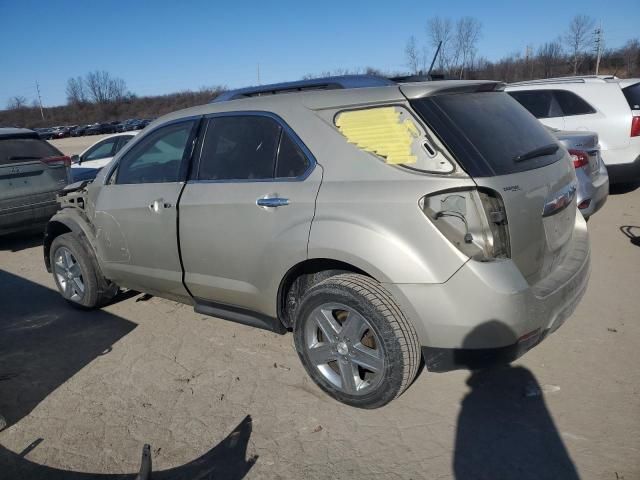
(489, 133)
(632, 94)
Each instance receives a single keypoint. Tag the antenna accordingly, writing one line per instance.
(598, 33)
(40, 99)
(434, 58)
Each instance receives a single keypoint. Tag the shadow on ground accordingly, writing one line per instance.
(43, 343)
(622, 188)
(14, 242)
(504, 428)
(632, 232)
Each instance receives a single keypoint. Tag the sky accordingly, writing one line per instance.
(160, 46)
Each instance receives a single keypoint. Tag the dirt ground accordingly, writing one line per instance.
(83, 391)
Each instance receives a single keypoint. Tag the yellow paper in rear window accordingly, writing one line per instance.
(388, 132)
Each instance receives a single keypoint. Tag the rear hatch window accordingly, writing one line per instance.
(19, 150)
(489, 133)
(632, 94)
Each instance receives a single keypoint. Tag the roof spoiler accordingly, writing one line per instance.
(325, 83)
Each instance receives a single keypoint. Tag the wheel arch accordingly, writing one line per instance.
(303, 276)
(62, 223)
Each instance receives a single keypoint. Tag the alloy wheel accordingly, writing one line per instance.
(343, 346)
(69, 275)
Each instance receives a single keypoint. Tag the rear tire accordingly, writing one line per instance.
(76, 274)
(355, 342)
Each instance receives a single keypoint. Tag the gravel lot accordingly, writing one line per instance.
(83, 391)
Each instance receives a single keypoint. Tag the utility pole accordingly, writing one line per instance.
(40, 99)
(598, 40)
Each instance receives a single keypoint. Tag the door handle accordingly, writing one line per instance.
(158, 205)
(272, 202)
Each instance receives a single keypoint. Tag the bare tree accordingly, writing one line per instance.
(468, 31)
(16, 103)
(631, 55)
(102, 88)
(441, 30)
(550, 56)
(76, 92)
(578, 38)
(412, 56)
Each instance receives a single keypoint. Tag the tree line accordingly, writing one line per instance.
(580, 50)
(100, 97)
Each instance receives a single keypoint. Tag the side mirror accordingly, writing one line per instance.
(76, 159)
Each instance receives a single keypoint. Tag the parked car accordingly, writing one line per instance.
(63, 132)
(86, 165)
(591, 172)
(79, 130)
(32, 173)
(100, 129)
(377, 224)
(607, 105)
(44, 133)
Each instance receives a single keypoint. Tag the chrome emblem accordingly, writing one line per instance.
(560, 200)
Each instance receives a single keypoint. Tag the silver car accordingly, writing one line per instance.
(381, 223)
(591, 172)
(32, 173)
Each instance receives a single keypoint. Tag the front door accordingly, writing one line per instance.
(135, 215)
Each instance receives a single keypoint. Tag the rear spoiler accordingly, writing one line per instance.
(445, 87)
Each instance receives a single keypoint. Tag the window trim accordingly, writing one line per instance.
(284, 127)
(184, 169)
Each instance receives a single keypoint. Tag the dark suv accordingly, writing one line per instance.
(32, 172)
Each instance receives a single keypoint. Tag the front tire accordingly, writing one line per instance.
(76, 276)
(355, 342)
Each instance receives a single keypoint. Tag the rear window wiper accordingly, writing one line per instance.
(537, 152)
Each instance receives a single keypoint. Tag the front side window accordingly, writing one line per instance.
(540, 103)
(239, 148)
(104, 149)
(572, 104)
(158, 158)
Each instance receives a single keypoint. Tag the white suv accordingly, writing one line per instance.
(607, 105)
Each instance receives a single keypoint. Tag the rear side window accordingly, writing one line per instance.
(239, 148)
(541, 103)
(18, 150)
(572, 104)
(632, 94)
(291, 162)
(487, 132)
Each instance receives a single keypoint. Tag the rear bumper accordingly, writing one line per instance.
(24, 217)
(593, 192)
(491, 310)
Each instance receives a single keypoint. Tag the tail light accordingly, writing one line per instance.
(475, 221)
(635, 126)
(63, 160)
(580, 158)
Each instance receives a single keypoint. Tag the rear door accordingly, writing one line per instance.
(136, 214)
(31, 173)
(506, 150)
(246, 214)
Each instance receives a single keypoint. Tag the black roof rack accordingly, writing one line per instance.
(326, 83)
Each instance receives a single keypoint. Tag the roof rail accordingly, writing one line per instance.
(326, 83)
(575, 79)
